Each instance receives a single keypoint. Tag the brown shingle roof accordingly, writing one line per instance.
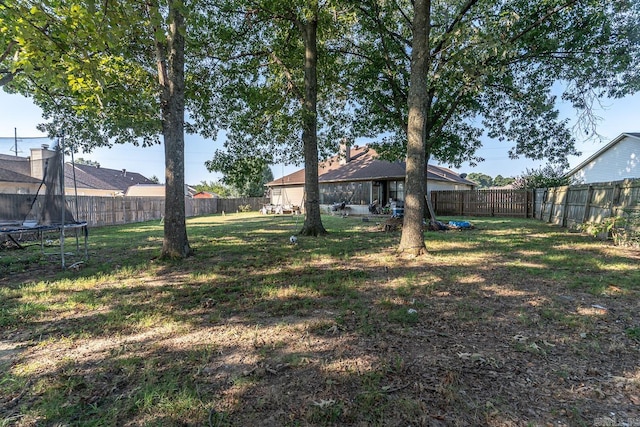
(18, 169)
(88, 176)
(16, 164)
(365, 166)
(11, 176)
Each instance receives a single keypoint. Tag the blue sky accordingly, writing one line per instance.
(618, 116)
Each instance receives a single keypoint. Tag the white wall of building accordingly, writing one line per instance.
(618, 162)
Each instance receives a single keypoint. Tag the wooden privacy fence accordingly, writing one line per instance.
(574, 205)
(100, 211)
(569, 206)
(505, 203)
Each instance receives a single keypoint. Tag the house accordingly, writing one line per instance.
(154, 190)
(24, 175)
(618, 160)
(357, 177)
(93, 180)
(145, 190)
(15, 176)
(205, 195)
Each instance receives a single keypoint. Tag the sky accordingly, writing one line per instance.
(18, 113)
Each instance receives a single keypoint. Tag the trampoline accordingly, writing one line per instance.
(47, 214)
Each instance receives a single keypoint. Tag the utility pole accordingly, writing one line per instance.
(15, 140)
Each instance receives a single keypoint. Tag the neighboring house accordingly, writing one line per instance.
(15, 176)
(205, 195)
(23, 175)
(356, 176)
(618, 160)
(93, 180)
(153, 190)
(145, 190)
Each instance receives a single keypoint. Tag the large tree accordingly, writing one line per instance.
(106, 72)
(477, 66)
(273, 71)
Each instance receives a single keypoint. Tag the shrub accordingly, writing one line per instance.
(623, 230)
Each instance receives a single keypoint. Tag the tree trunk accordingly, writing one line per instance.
(171, 74)
(312, 222)
(412, 240)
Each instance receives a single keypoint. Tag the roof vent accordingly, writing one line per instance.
(124, 172)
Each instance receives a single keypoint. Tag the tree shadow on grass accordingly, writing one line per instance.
(486, 330)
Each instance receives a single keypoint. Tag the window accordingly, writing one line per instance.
(354, 193)
(396, 190)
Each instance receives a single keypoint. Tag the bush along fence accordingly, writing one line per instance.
(101, 211)
(608, 209)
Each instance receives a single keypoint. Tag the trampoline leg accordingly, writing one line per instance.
(15, 242)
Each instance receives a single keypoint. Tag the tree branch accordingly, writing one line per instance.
(452, 26)
(291, 83)
(8, 50)
(543, 18)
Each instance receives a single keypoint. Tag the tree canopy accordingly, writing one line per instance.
(87, 65)
(245, 175)
(494, 69)
(544, 177)
(480, 66)
(271, 80)
(105, 72)
(215, 187)
(486, 181)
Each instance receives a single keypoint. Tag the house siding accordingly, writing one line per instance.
(288, 196)
(18, 188)
(620, 161)
(443, 186)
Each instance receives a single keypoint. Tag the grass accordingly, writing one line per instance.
(332, 331)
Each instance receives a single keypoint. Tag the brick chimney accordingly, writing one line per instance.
(344, 153)
(38, 160)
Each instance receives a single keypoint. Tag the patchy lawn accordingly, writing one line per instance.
(512, 323)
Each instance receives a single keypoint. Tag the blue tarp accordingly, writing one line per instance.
(459, 224)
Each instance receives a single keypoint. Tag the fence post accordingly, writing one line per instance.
(615, 196)
(565, 209)
(553, 210)
(587, 205)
